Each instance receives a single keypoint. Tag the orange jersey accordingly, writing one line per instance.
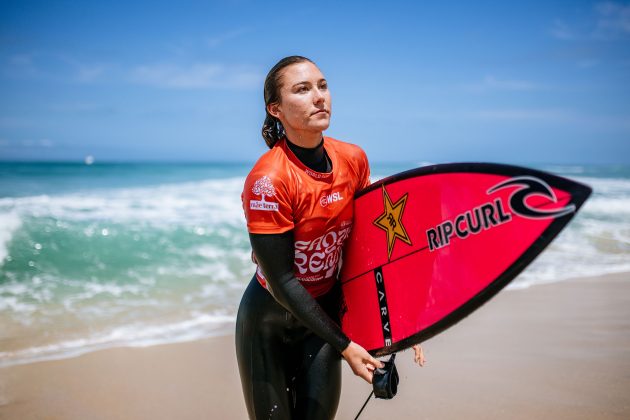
(281, 194)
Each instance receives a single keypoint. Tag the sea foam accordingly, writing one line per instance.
(9, 223)
(135, 266)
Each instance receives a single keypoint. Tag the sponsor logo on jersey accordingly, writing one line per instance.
(263, 187)
(317, 175)
(330, 198)
(318, 259)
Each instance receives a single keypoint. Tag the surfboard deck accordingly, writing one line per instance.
(431, 245)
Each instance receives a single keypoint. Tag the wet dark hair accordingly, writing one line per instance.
(272, 129)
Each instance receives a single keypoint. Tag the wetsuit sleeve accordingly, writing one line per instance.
(275, 255)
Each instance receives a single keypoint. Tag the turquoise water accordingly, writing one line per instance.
(138, 254)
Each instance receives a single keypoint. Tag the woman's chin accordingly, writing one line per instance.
(311, 126)
(319, 125)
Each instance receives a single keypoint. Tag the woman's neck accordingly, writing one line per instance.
(306, 139)
(313, 157)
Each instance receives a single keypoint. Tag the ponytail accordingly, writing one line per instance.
(272, 129)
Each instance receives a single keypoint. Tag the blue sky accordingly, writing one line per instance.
(438, 81)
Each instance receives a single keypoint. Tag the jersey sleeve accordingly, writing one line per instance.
(365, 171)
(361, 167)
(267, 203)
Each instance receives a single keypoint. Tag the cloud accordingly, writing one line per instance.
(215, 41)
(15, 122)
(191, 47)
(498, 114)
(602, 123)
(84, 108)
(89, 73)
(491, 83)
(195, 76)
(22, 65)
(26, 143)
(561, 30)
(526, 114)
(609, 21)
(564, 116)
(588, 63)
(55, 66)
(168, 75)
(613, 20)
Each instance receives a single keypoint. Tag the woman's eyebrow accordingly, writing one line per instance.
(306, 82)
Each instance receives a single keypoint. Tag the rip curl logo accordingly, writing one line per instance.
(529, 186)
(492, 214)
(263, 187)
(330, 198)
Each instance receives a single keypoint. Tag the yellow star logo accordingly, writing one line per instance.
(391, 221)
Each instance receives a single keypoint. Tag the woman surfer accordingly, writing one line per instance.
(298, 205)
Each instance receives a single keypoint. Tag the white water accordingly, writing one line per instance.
(168, 263)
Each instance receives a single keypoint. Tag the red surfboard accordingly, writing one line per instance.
(431, 245)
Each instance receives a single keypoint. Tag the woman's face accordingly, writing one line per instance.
(304, 99)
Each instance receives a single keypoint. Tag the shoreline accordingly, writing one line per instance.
(222, 329)
(558, 350)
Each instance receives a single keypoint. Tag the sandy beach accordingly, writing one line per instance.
(556, 351)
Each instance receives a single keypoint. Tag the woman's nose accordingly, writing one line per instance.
(318, 96)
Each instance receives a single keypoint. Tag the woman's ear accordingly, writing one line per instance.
(274, 110)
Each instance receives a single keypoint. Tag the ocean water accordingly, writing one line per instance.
(139, 254)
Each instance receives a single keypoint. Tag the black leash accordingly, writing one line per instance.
(384, 383)
(364, 404)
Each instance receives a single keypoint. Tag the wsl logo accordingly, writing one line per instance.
(493, 213)
(330, 198)
(263, 187)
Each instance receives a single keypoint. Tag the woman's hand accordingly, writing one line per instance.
(360, 361)
(418, 355)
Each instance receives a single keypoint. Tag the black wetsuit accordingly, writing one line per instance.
(288, 343)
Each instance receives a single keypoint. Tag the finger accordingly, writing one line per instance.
(419, 355)
(364, 373)
(367, 375)
(376, 362)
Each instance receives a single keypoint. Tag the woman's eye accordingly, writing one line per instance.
(323, 86)
(302, 89)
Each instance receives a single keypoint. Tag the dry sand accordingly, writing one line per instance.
(559, 351)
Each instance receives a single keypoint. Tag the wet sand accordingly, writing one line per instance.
(558, 351)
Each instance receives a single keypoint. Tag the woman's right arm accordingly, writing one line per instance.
(275, 255)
